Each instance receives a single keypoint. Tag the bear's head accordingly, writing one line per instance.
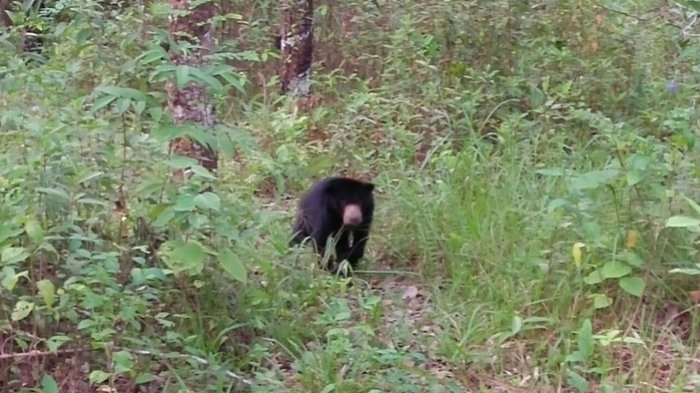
(352, 200)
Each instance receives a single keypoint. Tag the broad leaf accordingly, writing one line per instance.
(632, 285)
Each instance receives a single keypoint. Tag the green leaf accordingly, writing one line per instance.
(593, 179)
(123, 361)
(169, 131)
(111, 90)
(595, 277)
(184, 203)
(516, 325)
(47, 291)
(142, 378)
(164, 217)
(634, 177)
(206, 79)
(638, 162)
(197, 220)
(585, 339)
(181, 162)
(233, 266)
(229, 75)
(182, 75)
(91, 201)
(163, 71)
(575, 357)
(593, 230)
(237, 82)
(577, 381)
(184, 256)
(102, 102)
(202, 135)
(601, 301)
(98, 376)
(632, 285)
(91, 176)
(692, 204)
(554, 204)
(329, 388)
(153, 55)
(682, 222)
(134, 94)
(225, 147)
(48, 384)
(687, 139)
(22, 310)
(203, 172)
(12, 255)
(123, 105)
(7, 232)
(124, 92)
(9, 278)
(208, 200)
(55, 342)
(15, 277)
(86, 324)
(55, 192)
(631, 258)
(139, 107)
(83, 35)
(34, 231)
(615, 269)
(155, 113)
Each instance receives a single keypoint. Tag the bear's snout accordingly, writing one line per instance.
(352, 215)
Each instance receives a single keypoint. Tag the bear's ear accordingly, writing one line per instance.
(369, 187)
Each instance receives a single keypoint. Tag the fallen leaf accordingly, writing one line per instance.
(411, 292)
(694, 297)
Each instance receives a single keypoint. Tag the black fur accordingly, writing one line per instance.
(321, 215)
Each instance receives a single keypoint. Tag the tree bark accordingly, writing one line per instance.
(5, 20)
(296, 43)
(192, 103)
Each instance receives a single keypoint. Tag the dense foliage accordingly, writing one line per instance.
(537, 201)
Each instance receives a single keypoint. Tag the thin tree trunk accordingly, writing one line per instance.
(5, 20)
(296, 43)
(192, 103)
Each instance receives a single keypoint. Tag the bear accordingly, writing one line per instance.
(340, 207)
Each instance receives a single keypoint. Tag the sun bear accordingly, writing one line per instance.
(340, 207)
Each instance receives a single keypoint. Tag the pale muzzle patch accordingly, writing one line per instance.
(352, 215)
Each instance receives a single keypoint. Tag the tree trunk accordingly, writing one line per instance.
(5, 20)
(296, 43)
(192, 103)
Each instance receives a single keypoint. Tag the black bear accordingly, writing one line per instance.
(340, 207)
